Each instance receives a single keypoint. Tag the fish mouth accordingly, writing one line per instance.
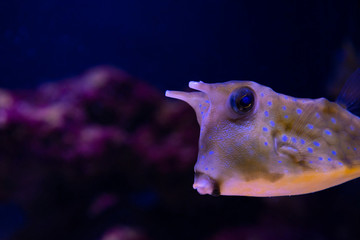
(205, 184)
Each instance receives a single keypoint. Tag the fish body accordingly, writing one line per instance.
(256, 142)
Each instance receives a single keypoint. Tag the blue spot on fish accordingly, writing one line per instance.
(340, 163)
(317, 115)
(272, 123)
(286, 97)
(333, 152)
(284, 138)
(286, 116)
(293, 140)
(329, 159)
(302, 141)
(354, 149)
(279, 161)
(265, 129)
(311, 162)
(206, 169)
(284, 108)
(316, 144)
(266, 113)
(298, 111)
(333, 120)
(310, 126)
(327, 132)
(310, 150)
(265, 143)
(262, 94)
(351, 127)
(269, 103)
(320, 158)
(211, 152)
(294, 99)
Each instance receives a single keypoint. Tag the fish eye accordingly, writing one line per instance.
(242, 100)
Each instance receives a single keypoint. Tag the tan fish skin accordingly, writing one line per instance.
(256, 142)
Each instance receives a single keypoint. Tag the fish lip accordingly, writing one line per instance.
(205, 184)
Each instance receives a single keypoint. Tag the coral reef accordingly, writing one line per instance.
(76, 150)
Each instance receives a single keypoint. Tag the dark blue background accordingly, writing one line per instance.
(169, 43)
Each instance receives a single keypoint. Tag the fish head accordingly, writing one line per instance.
(231, 148)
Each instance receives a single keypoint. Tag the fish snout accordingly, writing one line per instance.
(205, 184)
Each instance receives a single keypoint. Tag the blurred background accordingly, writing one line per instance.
(91, 149)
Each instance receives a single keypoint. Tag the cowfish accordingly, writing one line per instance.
(256, 142)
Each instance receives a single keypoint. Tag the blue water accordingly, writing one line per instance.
(169, 43)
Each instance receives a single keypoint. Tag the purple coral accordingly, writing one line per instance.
(66, 143)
